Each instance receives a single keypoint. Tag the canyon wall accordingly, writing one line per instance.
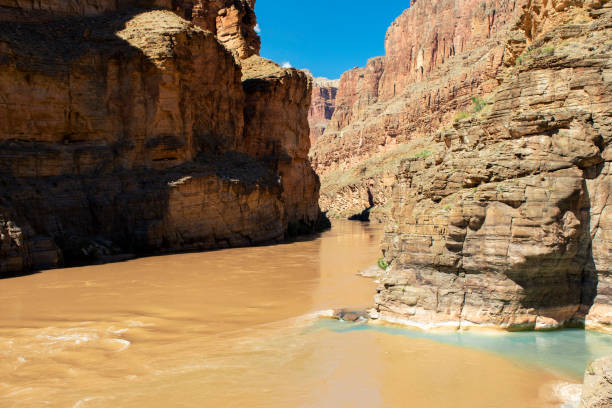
(232, 21)
(277, 133)
(438, 55)
(323, 105)
(481, 138)
(129, 130)
(501, 219)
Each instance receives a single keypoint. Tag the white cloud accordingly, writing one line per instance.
(257, 28)
(287, 64)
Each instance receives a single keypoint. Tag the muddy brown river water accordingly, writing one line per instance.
(236, 328)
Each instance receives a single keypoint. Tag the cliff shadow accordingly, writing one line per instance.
(560, 280)
(107, 211)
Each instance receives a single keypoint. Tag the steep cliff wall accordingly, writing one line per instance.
(277, 133)
(125, 131)
(232, 21)
(502, 220)
(322, 106)
(438, 55)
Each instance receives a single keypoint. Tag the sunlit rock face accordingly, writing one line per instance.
(501, 220)
(276, 115)
(322, 106)
(481, 138)
(123, 129)
(232, 21)
(438, 54)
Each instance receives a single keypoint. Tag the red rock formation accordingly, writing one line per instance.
(122, 132)
(277, 133)
(39, 10)
(104, 118)
(416, 44)
(232, 21)
(322, 106)
(493, 120)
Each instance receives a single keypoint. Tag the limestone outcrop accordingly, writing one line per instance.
(125, 129)
(597, 388)
(501, 219)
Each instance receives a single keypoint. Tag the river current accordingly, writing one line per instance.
(246, 328)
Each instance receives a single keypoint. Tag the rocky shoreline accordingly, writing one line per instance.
(596, 391)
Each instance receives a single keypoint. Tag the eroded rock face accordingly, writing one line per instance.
(438, 54)
(232, 21)
(125, 132)
(597, 388)
(100, 94)
(502, 220)
(277, 133)
(322, 105)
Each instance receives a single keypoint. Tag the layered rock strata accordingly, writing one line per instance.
(126, 131)
(232, 21)
(502, 219)
(438, 54)
(322, 106)
(277, 133)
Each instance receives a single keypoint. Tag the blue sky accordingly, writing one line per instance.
(326, 36)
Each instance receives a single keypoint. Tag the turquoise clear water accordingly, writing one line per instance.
(564, 351)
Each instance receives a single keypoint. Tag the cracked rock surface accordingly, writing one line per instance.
(506, 222)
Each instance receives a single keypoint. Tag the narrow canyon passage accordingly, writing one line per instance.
(479, 132)
(242, 327)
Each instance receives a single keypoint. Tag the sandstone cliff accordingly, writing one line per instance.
(502, 218)
(232, 21)
(277, 133)
(125, 129)
(322, 105)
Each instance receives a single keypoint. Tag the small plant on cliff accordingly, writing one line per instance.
(548, 51)
(423, 153)
(479, 103)
(447, 207)
(521, 59)
(382, 264)
(460, 116)
(532, 53)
